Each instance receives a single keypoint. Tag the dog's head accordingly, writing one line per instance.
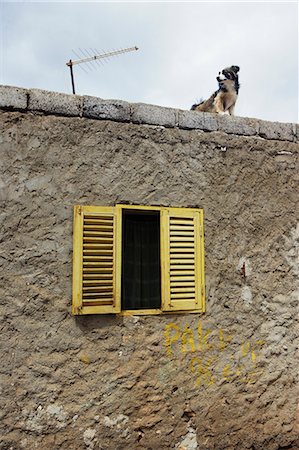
(229, 73)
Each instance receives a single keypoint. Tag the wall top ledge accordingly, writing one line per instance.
(41, 101)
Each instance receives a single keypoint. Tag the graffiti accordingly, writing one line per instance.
(213, 355)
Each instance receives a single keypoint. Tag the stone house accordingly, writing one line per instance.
(216, 372)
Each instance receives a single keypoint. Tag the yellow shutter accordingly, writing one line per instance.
(182, 259)
(95, 285)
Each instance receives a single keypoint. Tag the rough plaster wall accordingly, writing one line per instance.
(224, 380)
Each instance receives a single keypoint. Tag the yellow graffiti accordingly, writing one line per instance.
(224, 340)
(203, 343)
(258, 343)
(251, 376)
(250, 347)
(171, 338)
(203, 371)
(187, 339)
(227, 373)
(206, 341)
(245, 348)
(209, 342)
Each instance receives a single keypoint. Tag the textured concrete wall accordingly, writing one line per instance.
(223, 380)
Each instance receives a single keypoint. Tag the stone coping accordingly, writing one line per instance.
(40, 101)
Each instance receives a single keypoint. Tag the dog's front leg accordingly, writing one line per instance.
(219, 105)
(231, 110)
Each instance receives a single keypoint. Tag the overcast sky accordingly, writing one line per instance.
(182, 47)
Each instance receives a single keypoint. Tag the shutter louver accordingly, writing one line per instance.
(182, 260)
(94, 228)
(97, 260)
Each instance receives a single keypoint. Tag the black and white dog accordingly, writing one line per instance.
(225, 98)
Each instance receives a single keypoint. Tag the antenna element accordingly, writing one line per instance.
(72, 63)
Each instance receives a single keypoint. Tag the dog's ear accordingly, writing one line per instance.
(236, 69)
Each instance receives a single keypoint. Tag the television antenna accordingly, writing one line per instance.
(89, 59)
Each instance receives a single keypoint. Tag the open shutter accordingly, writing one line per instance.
(182, 259)
(95, 287)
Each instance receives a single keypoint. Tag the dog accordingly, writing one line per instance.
(225, 98)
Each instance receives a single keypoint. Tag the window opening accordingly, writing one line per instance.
(141, 274)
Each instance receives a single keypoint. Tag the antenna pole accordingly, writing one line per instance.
(70, 64)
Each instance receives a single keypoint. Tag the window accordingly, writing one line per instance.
(138, 259)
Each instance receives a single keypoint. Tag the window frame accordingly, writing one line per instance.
(117, 213)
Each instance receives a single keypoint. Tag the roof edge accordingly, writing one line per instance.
(40, 101)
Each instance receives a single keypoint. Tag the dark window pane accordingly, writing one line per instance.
(141, 260)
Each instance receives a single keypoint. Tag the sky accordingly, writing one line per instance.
(182, 47)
